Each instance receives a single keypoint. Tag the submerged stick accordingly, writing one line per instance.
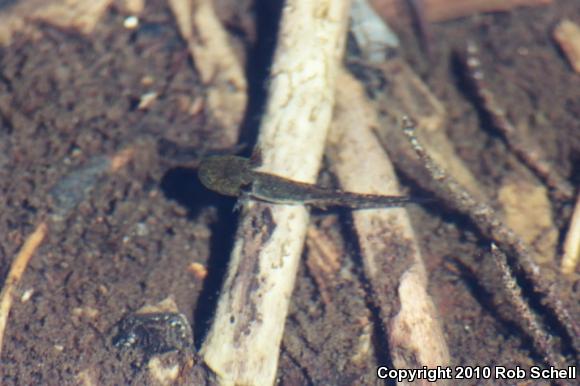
(243, 344)
(567, 35)
(17, 269)
(529, 321)
(216, 63)
(389, 249)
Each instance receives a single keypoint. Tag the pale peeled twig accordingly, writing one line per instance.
(572, 242)
(214, 58)
(389, 249)
(242, 346)
(567, 34)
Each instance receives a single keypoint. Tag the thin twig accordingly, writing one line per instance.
(17, 269)
(572, 242)
(528, 320)
(567, 34)
(527, 151)
(489, 225)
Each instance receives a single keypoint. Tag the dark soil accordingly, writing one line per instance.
(66, 100)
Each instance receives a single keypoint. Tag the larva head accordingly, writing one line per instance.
(224, 174)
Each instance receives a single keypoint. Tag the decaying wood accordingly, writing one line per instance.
(389, 249)
(324, 260)
(215, 61)
(567, 34)
(529, 321)
(242, 346)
